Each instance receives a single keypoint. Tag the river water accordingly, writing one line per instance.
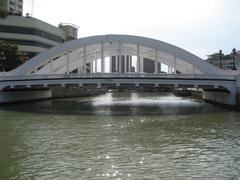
(119, 136)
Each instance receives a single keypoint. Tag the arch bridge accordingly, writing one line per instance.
(119, 60)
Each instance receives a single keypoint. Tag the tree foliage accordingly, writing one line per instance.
(217, 55)
(10, 57)
(213, 56)
(3, 12)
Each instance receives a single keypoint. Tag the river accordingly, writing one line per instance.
(119, 136)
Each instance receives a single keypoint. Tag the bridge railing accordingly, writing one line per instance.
(119, 75)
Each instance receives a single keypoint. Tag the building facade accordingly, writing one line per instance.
(12, 6)
(32, 35)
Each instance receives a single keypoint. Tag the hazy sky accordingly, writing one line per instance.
(200, 26)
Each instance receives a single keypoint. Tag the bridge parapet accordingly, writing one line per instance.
(209, 83)
(122, 75)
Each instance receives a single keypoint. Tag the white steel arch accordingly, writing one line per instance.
(76, 54)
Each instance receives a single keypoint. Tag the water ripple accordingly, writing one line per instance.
(170, 145)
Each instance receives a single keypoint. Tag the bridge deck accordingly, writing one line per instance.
(107, 79)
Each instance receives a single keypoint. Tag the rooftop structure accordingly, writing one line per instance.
(70, 31)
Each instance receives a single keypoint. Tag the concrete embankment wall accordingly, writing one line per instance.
(64, 92)
(24, 95)
(57, 92)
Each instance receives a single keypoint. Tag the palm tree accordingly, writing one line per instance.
(3, 12)
(234, 53)
(220, 58)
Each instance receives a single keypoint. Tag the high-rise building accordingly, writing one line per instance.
(12, 6)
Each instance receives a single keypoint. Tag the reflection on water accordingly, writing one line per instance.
(119, 136)
(135, 100)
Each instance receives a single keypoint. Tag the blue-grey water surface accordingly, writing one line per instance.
(119, 136)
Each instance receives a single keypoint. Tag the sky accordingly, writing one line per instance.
(202, 27)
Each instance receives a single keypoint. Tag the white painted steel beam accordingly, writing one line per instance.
(138, 59)
(102, 58)
(167, 52)
(156, 62)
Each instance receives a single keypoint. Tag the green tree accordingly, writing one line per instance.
(3, 12)
(233, 54)
(10, 57)
(221, 56)
(213, 56)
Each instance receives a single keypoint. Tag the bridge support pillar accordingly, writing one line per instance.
(175, 65)
(138, 59)
(67, 63)
(95, 66)
(120, 58)
(159, 67)
(110, 65)
(156, 62)
(84, 59)
(141, 65)
(102, 58)
(91, 68)
(169, 70)
(125, 64)
(130, 64)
